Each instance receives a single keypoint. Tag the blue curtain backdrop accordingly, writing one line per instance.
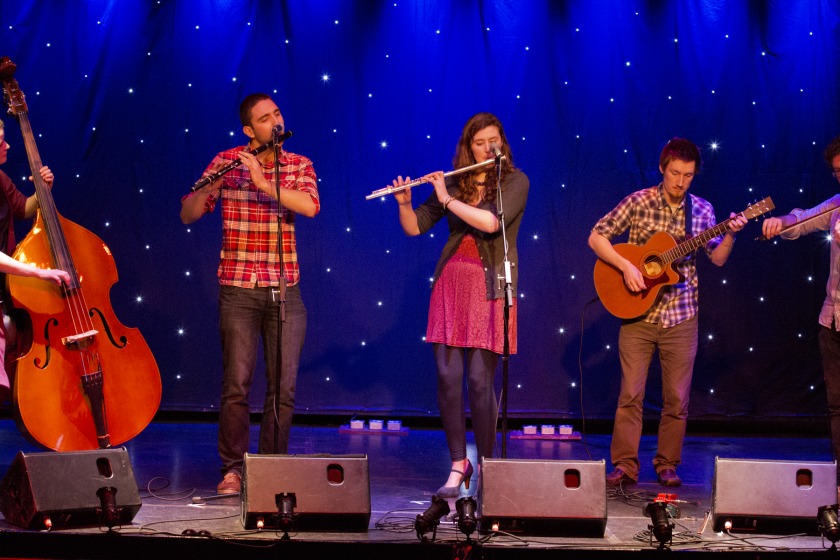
(131, 99)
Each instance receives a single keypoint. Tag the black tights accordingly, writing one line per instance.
(481, 370)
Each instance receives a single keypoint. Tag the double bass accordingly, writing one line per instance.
(84, 381)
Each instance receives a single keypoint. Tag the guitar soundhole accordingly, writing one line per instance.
(652, 267)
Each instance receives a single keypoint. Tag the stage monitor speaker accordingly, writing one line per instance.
(63, 489)
(329, 492)
(563, 498)
(771, 496)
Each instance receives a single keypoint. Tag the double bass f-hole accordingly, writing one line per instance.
(123, 340)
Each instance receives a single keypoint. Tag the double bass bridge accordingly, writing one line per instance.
(80, 341)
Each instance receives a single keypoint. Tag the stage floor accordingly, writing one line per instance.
(175, 464)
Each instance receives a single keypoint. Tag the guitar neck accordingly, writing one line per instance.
(695, 242)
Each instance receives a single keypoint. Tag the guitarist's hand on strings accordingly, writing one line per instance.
(736, 223)
(721, 253)
(633, 278)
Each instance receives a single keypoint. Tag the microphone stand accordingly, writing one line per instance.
(507, 278)
(279, 295)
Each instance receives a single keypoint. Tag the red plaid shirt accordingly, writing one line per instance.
(249, 221)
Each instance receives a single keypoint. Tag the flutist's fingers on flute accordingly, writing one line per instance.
(404, 196)
(437, 180)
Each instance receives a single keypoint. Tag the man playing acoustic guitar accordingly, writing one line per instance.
(671, 323)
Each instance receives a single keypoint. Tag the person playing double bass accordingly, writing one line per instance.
(14, 204)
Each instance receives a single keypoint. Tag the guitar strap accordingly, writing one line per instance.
(689, 221)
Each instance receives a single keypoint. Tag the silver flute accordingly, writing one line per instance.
(414, 183)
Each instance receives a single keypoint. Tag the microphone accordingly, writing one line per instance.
(497, 152)
(279, 135)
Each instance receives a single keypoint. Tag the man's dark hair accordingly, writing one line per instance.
(248, 104)
(681, 149)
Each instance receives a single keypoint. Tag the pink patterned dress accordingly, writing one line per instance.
(460, 314)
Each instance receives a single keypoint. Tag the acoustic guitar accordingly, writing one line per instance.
(656, 260)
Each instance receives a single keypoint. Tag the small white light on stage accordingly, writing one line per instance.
(260, 523)
(828, 524)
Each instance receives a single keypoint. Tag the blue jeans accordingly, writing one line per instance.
(830, 352)
(247, 315)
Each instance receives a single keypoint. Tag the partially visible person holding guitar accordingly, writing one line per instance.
(823, 217)
(14, 204)
(671, 323)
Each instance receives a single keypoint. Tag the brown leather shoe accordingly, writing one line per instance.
(231, 484)
(619, 477)
(668, 477)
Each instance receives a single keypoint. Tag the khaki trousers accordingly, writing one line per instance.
(677, 346)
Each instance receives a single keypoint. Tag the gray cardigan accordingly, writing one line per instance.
(490, 245)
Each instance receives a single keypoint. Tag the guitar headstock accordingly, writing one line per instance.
(757, 209)
(11, 91)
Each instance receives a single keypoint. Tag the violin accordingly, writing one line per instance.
(84, 380)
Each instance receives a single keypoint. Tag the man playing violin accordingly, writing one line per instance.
(671, 324)
(802, 222)
(14, 204)
(252, 277)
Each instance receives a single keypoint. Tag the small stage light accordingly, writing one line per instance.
(430, 519)
(660, 528)
(465, 508)
(286, 503)
(828, 523)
